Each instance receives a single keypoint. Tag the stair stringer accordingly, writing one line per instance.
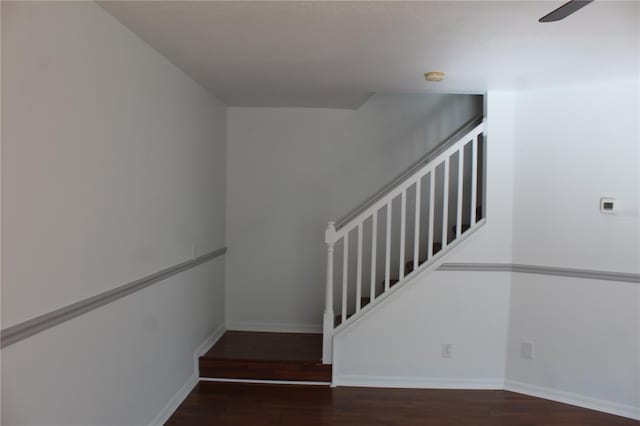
(424, 269)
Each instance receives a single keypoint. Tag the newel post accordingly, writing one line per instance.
(328, 320)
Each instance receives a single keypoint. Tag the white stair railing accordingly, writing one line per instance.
(437, 233)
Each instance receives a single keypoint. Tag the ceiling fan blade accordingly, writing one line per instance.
(564, 10)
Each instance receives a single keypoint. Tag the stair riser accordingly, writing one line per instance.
(265, 370)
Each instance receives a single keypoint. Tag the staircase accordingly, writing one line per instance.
(394, 237)
(258, 356)
(402, 231)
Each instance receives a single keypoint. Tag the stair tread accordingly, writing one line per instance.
(265, 346)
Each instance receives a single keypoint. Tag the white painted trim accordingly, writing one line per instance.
(490, 383)
(173, 404)
(274, 327)
(271, 382)
(206, 345)
(335, 361)
(573, 399)
(183, 392)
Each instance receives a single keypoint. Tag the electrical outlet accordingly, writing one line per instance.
(526, 350)
(447, 350)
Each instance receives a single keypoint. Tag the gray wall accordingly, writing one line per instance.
(113, 168)
(551, 155)
(291, 170)
(569, 152)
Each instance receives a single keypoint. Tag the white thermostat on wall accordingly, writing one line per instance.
(607, 205)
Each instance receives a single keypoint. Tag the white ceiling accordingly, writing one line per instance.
(333, 53)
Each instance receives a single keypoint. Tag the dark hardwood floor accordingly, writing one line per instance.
(236, 404)
(266, 356)
(289, 356)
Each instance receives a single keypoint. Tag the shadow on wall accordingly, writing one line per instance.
(399, 136)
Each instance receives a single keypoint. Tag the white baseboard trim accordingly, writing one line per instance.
(418, 382)
(184, 391)
(208, 344)
(274, 327)
(175, 401)
(574, 399)
(269, 382)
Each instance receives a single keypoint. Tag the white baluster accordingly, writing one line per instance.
(387, 261)
(374, 249)
(328, 320)
(345, 275)
(403, 219)
(445, 204)
(359, 270)
(460, 190)
(416, 229)
(474, 179)
(432, 200)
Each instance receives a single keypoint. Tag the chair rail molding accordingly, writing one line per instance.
(542, 270)
(25, 329)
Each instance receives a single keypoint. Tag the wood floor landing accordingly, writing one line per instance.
(266, 356)
(226, 404)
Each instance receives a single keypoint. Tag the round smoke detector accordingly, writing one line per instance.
(434, 76)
